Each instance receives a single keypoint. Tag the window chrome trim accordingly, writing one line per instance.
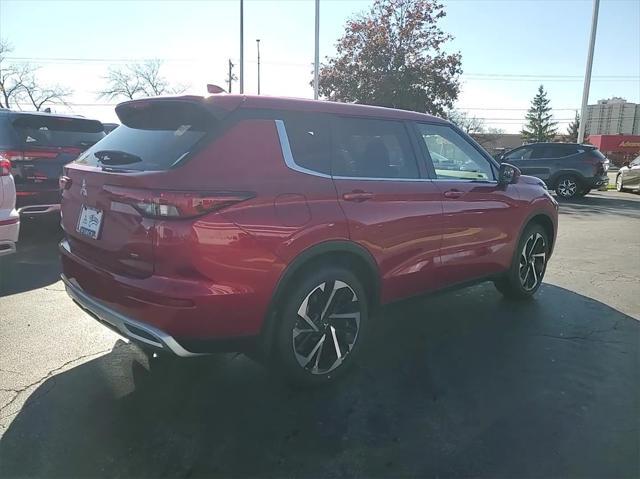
(290, 162)
(288, 156)
(371, 178)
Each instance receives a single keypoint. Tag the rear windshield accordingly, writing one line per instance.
(597, 153)
(152, 137)
(45, 131)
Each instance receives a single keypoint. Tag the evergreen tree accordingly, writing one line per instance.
(540, 125)
(572, 129)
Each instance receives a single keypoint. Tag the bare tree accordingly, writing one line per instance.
(137, 80)
(38, 95)
(469, 124)
(12, 76)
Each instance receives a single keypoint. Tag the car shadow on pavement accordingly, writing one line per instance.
(460, 384)
(622, 204)
(36, 263)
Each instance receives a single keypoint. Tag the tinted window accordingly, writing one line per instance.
(309, 139)
(52, 131)
(554, 151)
(519, 154)
(372, 149)
(452, 156)
(153, 136)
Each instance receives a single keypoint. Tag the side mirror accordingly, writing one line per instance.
(508, 174)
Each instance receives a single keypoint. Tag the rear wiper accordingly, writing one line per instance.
(116, 157)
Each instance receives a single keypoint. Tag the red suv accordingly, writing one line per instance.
(232, 222)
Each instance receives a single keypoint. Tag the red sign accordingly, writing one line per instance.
(616, 143)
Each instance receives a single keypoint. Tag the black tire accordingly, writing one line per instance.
(619, 183)
(567, 187)
(511, 285)
(583, 192)
(295, 339)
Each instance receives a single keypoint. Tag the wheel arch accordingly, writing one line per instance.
(543, 219)
(341, 252)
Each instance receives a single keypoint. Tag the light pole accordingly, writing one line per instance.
(587, 75)
(241, 46)
(316, 65)
(258, 44)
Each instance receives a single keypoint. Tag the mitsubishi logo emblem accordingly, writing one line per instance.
(83, 188)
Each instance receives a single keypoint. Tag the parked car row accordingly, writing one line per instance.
(278, 225)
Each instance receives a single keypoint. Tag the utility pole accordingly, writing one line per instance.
(316, 65)
(258, 44)
(587, 75)
(230, 80)
(241, 46)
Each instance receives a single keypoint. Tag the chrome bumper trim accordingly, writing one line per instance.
(39, 209)
(118, 321)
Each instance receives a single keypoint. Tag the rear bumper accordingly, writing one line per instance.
(127, 327)
(598, 181)
(9, 232)
(195, 312)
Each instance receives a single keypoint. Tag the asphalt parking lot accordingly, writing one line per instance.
(458, 384)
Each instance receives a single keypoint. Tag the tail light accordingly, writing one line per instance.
(64, 182)
(29, 155)
(5, 167)
(170, 204)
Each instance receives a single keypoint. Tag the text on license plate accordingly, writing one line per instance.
(89, 222)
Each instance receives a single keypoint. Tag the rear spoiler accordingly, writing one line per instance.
(201, 106)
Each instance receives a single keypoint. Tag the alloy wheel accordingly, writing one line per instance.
(532, 261)
(619, 183)
(327, 326)
(567, 188)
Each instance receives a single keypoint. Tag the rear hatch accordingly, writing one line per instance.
(44, 144)
(115, 191)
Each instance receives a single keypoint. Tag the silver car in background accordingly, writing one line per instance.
(9, 217)
(628, 177)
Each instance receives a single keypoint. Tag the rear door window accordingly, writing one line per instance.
(519, 154)
(153, 136)
(369, 148)
(36, 131)
(309, 139)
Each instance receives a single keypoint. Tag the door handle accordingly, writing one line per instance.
(453, 194)
(358, 196)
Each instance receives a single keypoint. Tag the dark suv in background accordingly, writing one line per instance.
(571, 169)
(38, 145)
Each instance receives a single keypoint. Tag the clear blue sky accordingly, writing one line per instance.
(508, 47)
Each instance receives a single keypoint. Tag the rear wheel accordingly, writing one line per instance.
(567, 187)
(321, 327)
(525, 275)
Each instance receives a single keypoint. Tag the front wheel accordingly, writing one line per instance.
(322, 326)
(527, 270)
(619, 186)
(567, 187)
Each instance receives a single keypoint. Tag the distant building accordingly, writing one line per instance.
(614, 116)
